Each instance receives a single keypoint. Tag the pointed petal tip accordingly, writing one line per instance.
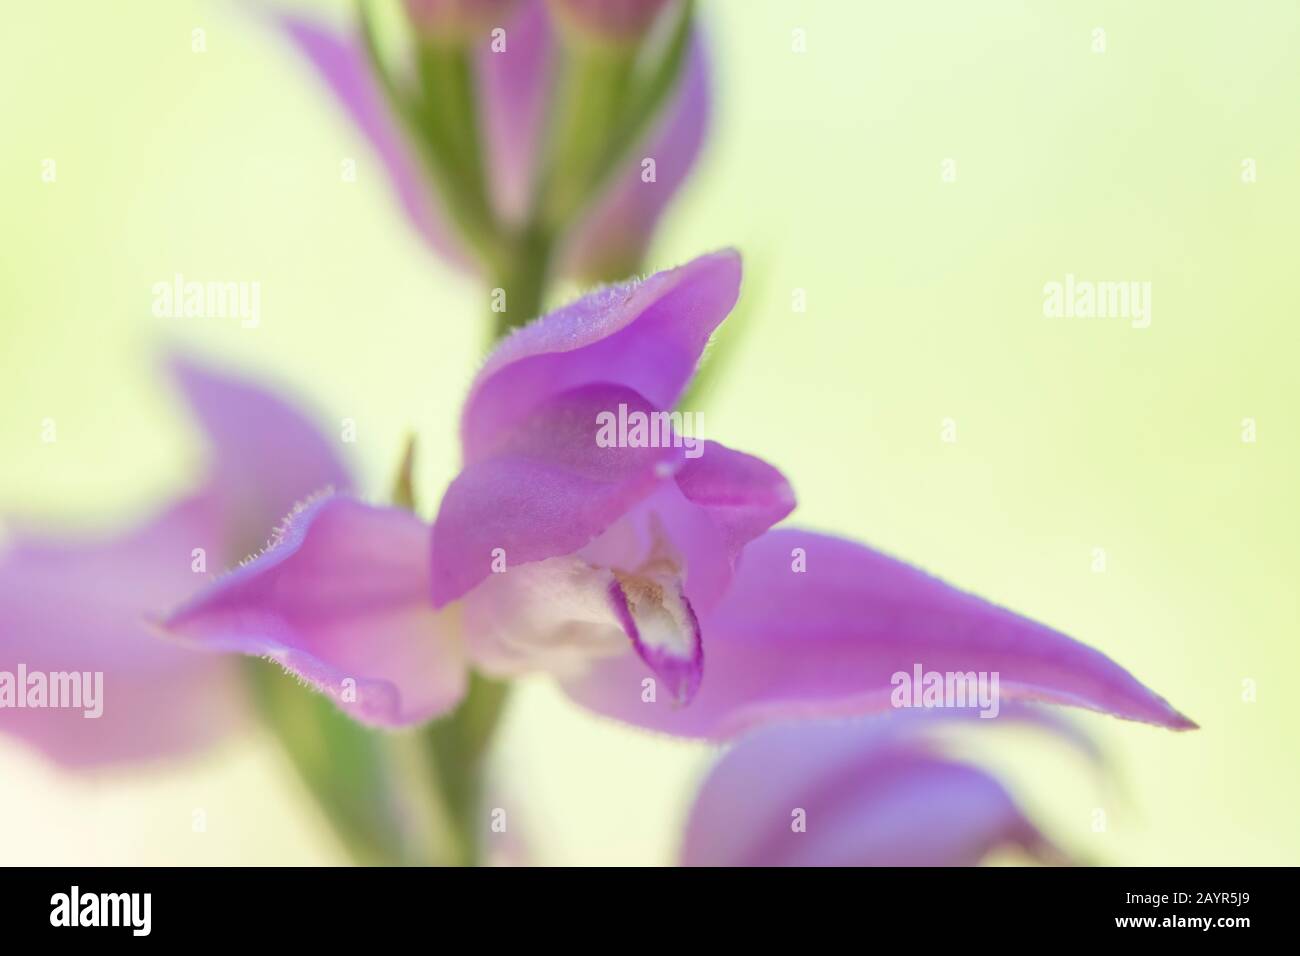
(726, 261)
(1164, 715)
(728, 253)
(728, 257)
(1155, 710)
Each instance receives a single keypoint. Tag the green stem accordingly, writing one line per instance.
(343, 765)
(593, 89)
(443, 763)
(441, 119)
(451, 113)
(523, 272)
(609, 96)
(405, 798)
(456, 747)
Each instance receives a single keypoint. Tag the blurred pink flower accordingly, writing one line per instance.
(68, 604)
(858, 793)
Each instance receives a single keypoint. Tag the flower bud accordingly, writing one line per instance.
(614, 21)
(456, 19)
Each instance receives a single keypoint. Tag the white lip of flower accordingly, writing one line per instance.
(659, 620)
(562, 614)
(655, 601)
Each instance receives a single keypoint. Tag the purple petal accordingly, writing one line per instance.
(612, 238)
(341, 600)
(827, 641)
(665, 528)
(919, 723)
(342, 63)
(646, 336)
(820, 794)
(81, 607)
(265, 455)
(718, 503)
(645, 576)
(743, 495)
(515, 86)
(544, 489)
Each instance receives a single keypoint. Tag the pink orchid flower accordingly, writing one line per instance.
(70, 605)
(516, 86)
(853, 793)
(645, 580)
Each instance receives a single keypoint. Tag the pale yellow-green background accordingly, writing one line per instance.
(924, 302)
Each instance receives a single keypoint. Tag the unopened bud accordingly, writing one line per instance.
(615, 21)
(456, 19)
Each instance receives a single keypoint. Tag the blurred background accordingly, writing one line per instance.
(916, 176)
